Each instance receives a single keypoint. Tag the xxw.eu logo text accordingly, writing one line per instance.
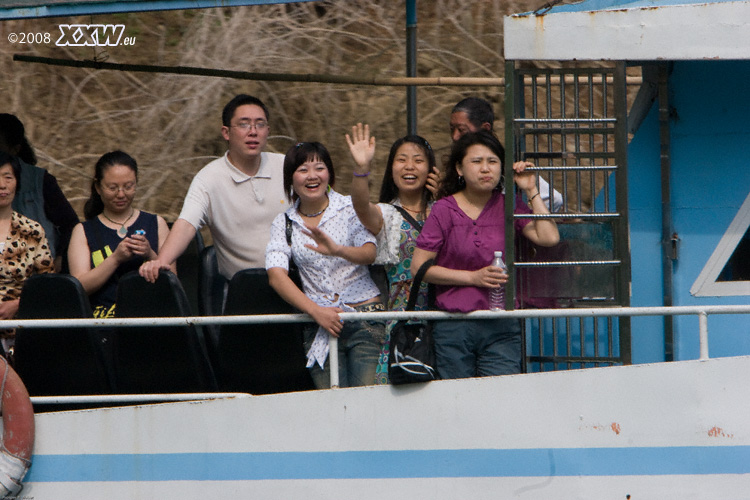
(79, 35)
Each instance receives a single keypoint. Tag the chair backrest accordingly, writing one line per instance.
(155, 359)
(260, 358)
(56, 361)
(210, 284)
(210, 296)
(188, 270)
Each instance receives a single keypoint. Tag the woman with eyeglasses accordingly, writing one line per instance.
(116, 238)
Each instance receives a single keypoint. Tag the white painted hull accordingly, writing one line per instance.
(678, 430)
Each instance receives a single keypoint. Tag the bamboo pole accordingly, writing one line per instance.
(290, 77)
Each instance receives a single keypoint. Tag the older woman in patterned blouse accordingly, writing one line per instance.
(23, 247)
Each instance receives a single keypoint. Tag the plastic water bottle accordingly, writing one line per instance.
(497, 295)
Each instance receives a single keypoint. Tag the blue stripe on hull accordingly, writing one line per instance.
(694, 460)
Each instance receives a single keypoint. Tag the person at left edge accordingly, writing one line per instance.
(106, 246)
(23, 247)
(39, 197)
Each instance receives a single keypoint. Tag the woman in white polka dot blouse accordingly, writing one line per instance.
(332, 249)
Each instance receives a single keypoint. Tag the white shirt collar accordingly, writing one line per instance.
(239, 176)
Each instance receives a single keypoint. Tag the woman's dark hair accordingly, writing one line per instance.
(388, 190)
(299, 154)
(14, 135)
(94, 205)
(6, 158)
(452, 182)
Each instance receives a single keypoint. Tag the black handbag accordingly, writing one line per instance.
(412, 356)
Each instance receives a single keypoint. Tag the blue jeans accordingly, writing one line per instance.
(477, 348)
(360, 343)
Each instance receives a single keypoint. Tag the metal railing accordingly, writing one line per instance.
(702, 312)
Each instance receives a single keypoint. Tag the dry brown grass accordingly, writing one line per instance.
(171, 123)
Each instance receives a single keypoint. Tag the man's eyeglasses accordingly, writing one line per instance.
(259, 125)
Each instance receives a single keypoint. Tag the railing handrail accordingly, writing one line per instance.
(395, 315)
(701, 311)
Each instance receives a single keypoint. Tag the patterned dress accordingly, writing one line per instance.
(396, 243)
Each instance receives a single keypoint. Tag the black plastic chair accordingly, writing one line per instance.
(188, 270)
(155, 359)
(210, 297)
(57, 361)
(260, 358)
(210, 284)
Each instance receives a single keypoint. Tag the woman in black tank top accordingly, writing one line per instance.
(116, 238)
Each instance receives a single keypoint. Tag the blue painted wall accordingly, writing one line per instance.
(710, 180)
(644, 185)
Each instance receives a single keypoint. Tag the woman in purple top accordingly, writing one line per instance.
(465, 227)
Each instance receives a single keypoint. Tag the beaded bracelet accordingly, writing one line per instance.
(361, 175)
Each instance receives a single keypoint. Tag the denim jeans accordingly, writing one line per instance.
(360, 343)
(477, 348)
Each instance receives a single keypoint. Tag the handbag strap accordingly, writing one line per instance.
(411, 220)
(414, 292)
(288, 229)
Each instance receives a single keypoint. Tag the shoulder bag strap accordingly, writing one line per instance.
(414, 292)
(411, 220)
(293, 270)
(417, 282)
(288, 229)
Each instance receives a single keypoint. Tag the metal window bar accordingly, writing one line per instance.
(570, 122)
(563, 147)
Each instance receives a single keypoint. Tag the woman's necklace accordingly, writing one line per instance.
(123, 231)
(411, 209)
(316, 213)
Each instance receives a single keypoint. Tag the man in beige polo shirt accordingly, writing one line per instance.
(237, 196)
